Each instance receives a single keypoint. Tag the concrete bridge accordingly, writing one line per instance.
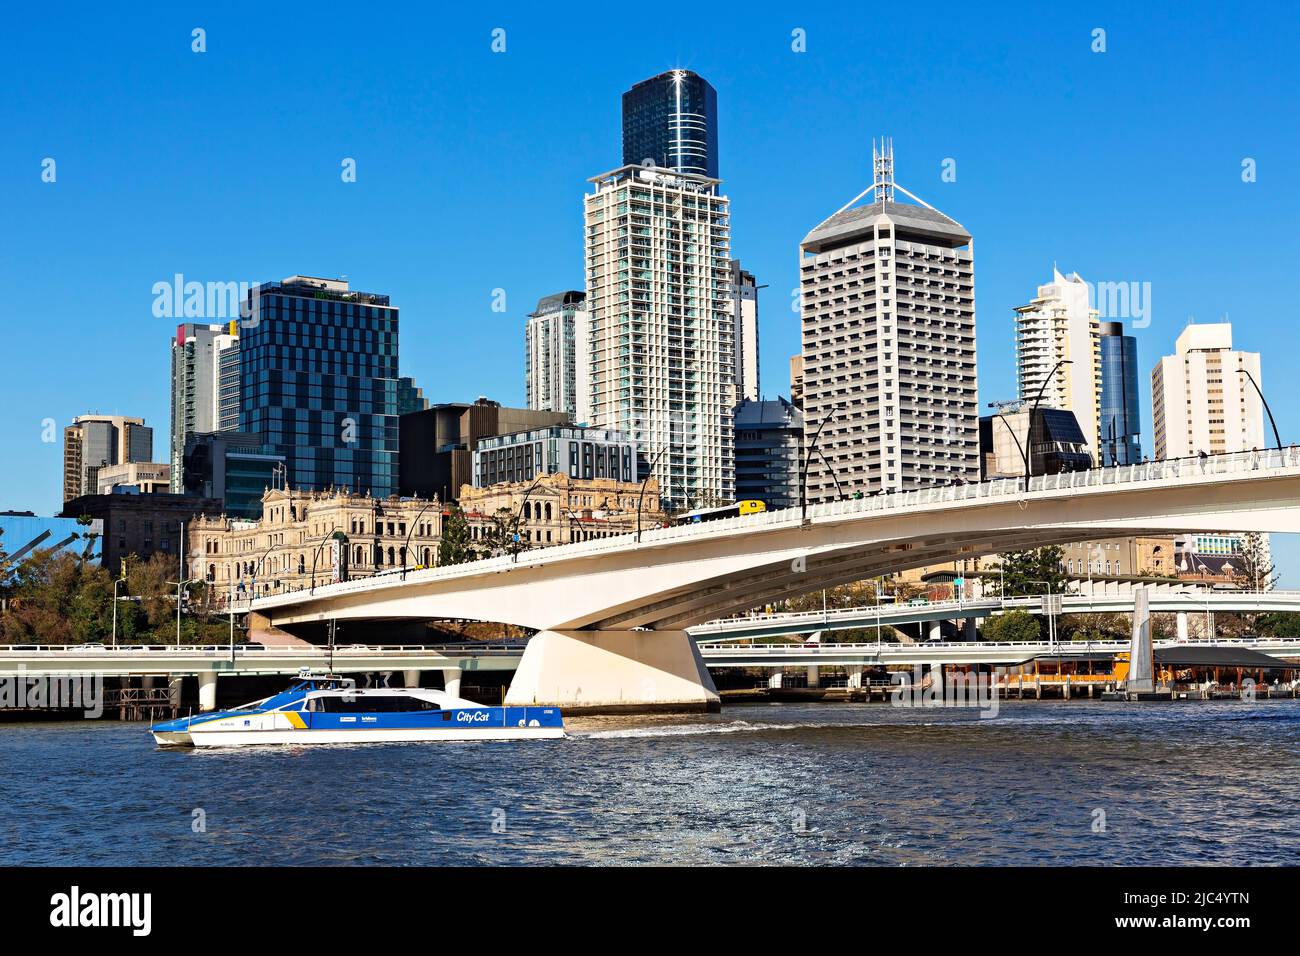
(612, 614)
(1173, 599)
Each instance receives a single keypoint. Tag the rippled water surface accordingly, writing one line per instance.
(1177, 783)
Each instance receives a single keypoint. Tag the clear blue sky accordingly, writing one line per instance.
(225, 166)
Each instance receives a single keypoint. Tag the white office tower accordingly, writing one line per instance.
(1058, 352)
(196, 358)
(888, 314)
(1201, 398)
(551, 369)
(744, 307)
(661, 345)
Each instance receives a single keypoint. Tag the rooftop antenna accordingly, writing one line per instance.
(882, 164)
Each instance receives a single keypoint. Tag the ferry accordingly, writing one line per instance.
(327, 709)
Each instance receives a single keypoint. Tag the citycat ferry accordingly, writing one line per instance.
(326, 709)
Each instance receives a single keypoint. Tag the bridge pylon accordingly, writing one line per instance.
(599, 671)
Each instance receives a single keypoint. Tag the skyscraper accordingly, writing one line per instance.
(1121, 415)
(552, 372)
(744, 304)
(888, 316)
(94, 441)
(196, 386)
(318, 382)
(1200, 399)
(1058, 335)
(769, 452)
(661, 345)
(671, 121)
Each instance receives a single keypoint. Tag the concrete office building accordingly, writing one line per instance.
(744, 305)
(142, 478)
(662, 341)
(1058, 334)
(580, 453)
(140, 525)
(92, 442)
(196, 384)
(769, 452)
(1201, 400)
(233, 468)
(888, 317)
(1051, 437)
(438, 444)
(556, 332)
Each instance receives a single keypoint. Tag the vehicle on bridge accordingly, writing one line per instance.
(327, 709)
(750, 506)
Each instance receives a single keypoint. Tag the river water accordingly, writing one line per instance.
(1042, 783)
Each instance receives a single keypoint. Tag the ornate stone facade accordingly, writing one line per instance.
(322, 536)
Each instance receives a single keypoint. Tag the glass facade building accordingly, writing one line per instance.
(672, 121)
(318, 383)
(1121, 417)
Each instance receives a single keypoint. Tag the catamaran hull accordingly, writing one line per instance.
(244, 738)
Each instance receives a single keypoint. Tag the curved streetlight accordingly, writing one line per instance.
(644, 481)
(1024, 456)
(406, 549)
(520, 513)
(1276, 438)
(1029, 431)
(803, 477)
(316, 553)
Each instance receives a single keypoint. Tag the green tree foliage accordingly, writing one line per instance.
(454, 547)
(1094, 627)
(503, 536)
(1283, 624)
(1028, 572)
(1012, 626)
(1255, 571)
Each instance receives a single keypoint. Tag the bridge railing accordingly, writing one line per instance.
(1238, 463)
(342, 651)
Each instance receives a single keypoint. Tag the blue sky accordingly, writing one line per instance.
(225, 166)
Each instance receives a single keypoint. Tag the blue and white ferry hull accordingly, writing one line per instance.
(309, 713)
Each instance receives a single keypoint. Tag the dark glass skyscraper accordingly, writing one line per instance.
(672, 120)
(1121, 419)
(318, 382)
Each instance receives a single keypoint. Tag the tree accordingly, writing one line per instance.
(502, 536)
(1256, 571)
(1029, 572)
(1094, 627)
(1282, 624)
(1012, 626)
(454, 547)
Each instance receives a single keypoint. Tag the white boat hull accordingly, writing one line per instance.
(244, 738)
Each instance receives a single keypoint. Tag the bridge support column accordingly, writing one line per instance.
(774, 679)
(936, 630)
(972, 629)
(1182, 625)
(451, 680)
(207, 690)
(608, 671)
(855, 677)
(814, 675)
(411, 678)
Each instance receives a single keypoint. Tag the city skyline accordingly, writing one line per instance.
(434, 302)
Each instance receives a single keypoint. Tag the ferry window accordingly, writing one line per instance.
(375, 704)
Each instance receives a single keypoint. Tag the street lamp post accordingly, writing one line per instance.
(121, 580)
(316, 554)
(519, 514)
(406, 549)
(1276, 438)
(644, 481)
(803, 477)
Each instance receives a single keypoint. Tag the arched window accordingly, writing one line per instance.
(425, 562)
(548, 511)
(391, 562)
(212, 572)
(302, 564)
(401, 555)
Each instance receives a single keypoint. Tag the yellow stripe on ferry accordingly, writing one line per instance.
(295, 719)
